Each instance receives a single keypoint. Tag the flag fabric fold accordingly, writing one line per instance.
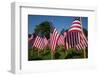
(60, 40)
(39, 42)
(75, 36)
(54, 34)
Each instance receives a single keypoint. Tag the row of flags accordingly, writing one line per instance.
(73, 38)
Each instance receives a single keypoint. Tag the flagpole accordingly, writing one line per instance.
(84, 53)
(44, 50)
(32, 52)
(52, 55)
(38, 52)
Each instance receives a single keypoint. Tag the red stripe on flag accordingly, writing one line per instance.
(53, 39)
(39, 43)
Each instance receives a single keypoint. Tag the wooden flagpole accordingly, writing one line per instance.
(38, 51)
(32, 52)
(52, 55)
(44, 50)
(84, 53)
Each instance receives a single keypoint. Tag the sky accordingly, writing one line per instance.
(59, 22)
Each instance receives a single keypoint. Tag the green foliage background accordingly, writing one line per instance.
(44, 28)
(60, 53)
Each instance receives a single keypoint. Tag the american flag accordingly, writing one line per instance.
(53, 38)
(76, 25)
(31, 39)
(75, 36)
(65, 40)
(39, 42)
(83, 42)
(60, 39)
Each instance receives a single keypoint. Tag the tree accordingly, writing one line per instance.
(44, 28)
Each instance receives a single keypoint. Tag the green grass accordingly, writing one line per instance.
(60, 53)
